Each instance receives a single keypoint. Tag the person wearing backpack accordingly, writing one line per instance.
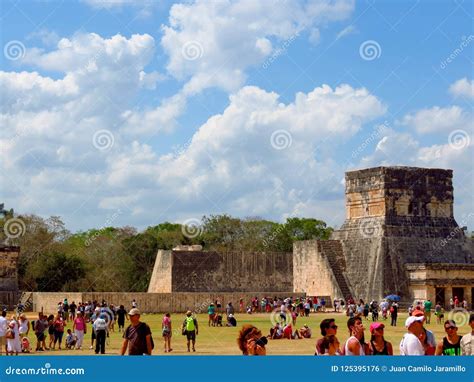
(190, 329)
(137, 337)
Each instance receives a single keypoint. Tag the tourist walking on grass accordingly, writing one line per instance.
(467, 341)
(328, 344)
(190, 329)
(13, 337)
(377, 344)
(23, 326)
(3, 331)
(80, 329)
(51, 331)
(121, 316)
(167, 331)
(40, 327)
(58, 330)
(411, 343)
(100, 328)
(451, 344)
(355, 345)
(394, 314)
(428, 305)
(137, 337)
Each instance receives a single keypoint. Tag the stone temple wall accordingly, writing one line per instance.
(8, 268)
(205, 271)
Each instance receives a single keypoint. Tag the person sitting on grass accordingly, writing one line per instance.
(305, 331)
(70, 340)
(251, 342)
(276, 333)
(231, 321)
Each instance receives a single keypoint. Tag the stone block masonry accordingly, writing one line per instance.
(207, 271)
(151, 302)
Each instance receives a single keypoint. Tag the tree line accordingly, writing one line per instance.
(121, 258)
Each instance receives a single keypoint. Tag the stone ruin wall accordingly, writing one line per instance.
(9, 268)
(207, 271)
(312, 272)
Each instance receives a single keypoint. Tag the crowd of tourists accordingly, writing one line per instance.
(102, 319)
(418, 340)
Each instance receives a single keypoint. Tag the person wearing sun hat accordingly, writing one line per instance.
(377, 344)
(410, 343)
(190, 329)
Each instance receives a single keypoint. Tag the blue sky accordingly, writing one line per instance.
(118, 112)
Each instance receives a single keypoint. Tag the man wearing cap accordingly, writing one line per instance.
(410, 343)
(467, 341)
(137, 337)
(190, 328)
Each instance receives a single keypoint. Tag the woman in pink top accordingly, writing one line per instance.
(166, 330)
(79, 327)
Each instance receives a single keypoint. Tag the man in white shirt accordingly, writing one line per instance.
(467, 341)
(410, 343)
(3, 330)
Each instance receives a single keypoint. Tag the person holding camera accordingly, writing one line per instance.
(251, 341)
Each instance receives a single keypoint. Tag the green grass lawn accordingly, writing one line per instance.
(222, 340)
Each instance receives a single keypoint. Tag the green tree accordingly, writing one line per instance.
(58, 272)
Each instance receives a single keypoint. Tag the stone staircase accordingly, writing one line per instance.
(332, 249)
(26, 300)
